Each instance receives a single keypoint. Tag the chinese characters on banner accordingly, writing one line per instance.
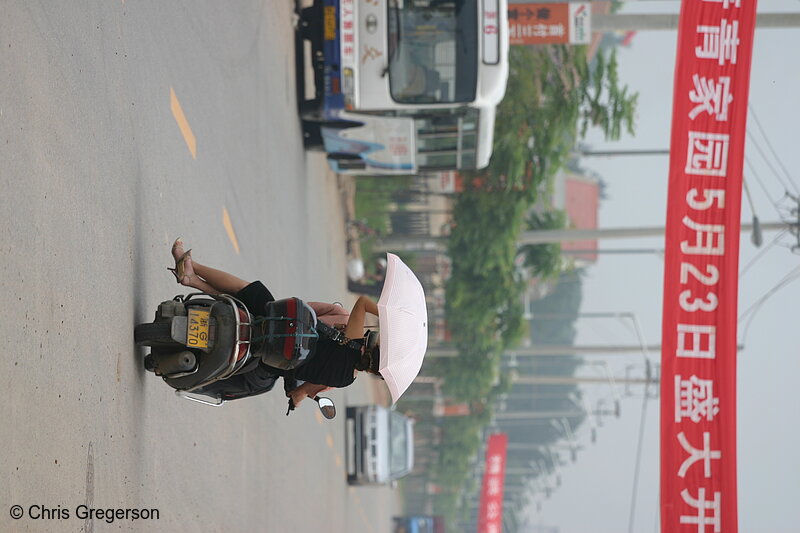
(698, 381)
(549, 23)
(348, 30)
(490, 512)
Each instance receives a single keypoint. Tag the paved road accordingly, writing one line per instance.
(124, 124)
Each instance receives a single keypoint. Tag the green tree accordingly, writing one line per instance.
(544, 260)
(604, 104)
(554, 95)
(482, 294)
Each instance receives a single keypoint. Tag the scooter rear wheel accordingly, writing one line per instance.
(153, 334)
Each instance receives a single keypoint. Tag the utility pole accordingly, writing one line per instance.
(644, 22)
(533, 415)
(556, 350)
(567, 235)
(589, 153)
(558, 235)
(525, 446)
(621, 251)
(575, 380)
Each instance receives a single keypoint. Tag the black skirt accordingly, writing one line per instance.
(332, 364)
(255, 296)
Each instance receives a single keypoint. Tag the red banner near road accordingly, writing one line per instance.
(490, 513)
(698, 380)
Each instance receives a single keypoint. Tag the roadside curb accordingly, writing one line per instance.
(347, 191)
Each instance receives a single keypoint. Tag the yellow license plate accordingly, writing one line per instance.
(197, 330)
(330, 23)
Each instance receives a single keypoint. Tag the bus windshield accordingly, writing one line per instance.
(433, 52)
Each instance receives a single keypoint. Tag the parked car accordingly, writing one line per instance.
(418, 524)
(380, 445)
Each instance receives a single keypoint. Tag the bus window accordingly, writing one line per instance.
(438, 123)
(469, 136)
(446, 159)
(468, 159)
(437, 132)
(447, 140)
(437, 160)
(469, 141)
(432, 142)
(431, 57)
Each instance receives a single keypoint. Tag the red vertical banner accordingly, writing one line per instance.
(698, 381)
(490, 512)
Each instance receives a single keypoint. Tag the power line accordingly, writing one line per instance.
(657, 515)
(638, 459)
(767, 161)
(761, 253)
(769, 144)
(779, 285)
(749, 196)
(642, 420)
(790, 277)
(761, 183)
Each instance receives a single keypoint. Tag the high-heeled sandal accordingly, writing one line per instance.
(177, 245)
(180, 266)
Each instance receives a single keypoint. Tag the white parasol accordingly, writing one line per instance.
(403, 319)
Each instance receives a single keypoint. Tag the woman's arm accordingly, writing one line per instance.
(306, 390)
(331, 314)
(355, 325)
(323, 308)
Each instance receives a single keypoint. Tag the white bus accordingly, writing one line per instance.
(405, 86)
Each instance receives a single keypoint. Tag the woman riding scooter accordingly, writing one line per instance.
(340, 351)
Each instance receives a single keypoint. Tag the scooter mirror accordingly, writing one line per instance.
(326, 406)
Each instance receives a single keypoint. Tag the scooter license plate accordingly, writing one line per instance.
(197, 329)
(330, 23)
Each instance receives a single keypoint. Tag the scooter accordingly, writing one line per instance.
(211, 349)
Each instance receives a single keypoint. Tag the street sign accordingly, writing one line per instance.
(549, 23)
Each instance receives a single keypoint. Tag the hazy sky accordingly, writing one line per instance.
(595, 494)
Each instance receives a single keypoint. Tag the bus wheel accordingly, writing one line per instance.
(312, 136)
(342, 125)
(310, 23)
(347, 161)
(309, 14)
(311, 109)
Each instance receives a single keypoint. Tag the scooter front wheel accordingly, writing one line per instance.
(153, 334)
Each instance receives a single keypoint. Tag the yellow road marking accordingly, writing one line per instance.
(338, 459)
(318, 416)
(362, 513)
(183, 124)
(329, 440)
(226, 221)
(364, 516)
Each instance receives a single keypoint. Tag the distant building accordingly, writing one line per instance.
(579, 197)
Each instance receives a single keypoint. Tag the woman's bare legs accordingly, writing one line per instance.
(205, 278)
(217, 279)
